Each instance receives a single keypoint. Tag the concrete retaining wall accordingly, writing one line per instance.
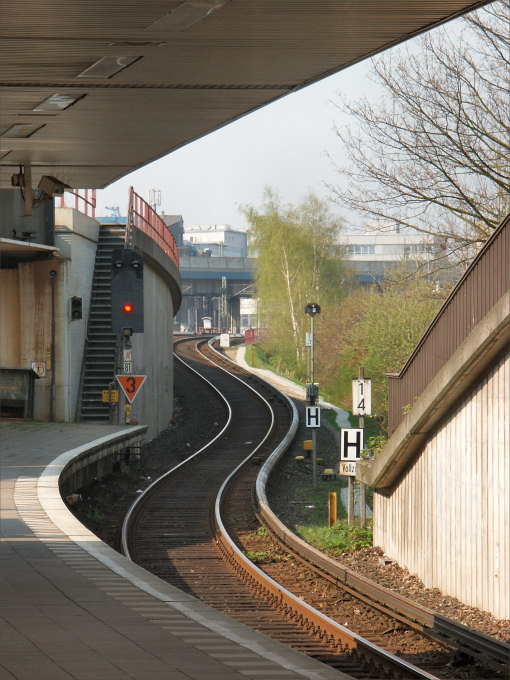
(153, 356)
(94, 462)
(448, 519)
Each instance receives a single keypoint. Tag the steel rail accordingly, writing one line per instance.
(470, 639)
(303, 611)
(130, 512)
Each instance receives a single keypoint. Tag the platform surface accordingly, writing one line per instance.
(71, 608)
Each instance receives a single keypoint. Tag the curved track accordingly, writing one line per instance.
(177, 531)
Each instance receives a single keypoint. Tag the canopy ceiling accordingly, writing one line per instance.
(92, 89)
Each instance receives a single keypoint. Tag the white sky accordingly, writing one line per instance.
(283, 146)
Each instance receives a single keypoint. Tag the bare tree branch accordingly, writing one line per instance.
(433, 154)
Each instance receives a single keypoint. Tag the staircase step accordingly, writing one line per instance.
(100, 351)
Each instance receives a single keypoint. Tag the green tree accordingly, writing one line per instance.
(297, 263)
(376, 328)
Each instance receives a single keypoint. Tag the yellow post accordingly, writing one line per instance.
(127, 411)
(332, 508)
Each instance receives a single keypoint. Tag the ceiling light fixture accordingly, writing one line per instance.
(57, 102)
(108, 66)
(21, 130)
(187, 14)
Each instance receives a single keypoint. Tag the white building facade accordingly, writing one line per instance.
(372, 253)
(218, 240)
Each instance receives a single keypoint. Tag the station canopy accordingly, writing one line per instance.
(93, 89)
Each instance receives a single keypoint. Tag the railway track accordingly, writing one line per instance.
(190, 528)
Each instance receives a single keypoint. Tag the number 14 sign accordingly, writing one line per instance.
(361, 397)
(130, 385)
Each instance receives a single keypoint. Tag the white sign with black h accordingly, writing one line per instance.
(351, 444)
(313, 416)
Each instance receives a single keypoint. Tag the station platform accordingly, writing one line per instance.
(71, 608)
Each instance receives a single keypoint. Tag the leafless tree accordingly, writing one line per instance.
(433, 153)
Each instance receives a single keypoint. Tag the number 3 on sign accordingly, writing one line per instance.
(130, 385)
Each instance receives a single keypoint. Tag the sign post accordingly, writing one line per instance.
(361, 396)
(312, 308)
(351, 446)
(365, 388)
(313, 420)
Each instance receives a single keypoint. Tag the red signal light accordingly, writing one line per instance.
(128, 307)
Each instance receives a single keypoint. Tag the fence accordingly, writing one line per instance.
(482, 285)
(141, 216)
(84, 202)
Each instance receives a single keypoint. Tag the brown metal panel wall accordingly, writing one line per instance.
(447, 520)
(10, 339)
(477, 292)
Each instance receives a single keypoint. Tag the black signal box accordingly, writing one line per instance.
(76, 308)
(127, 290)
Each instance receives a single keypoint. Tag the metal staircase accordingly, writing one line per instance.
(99, 364)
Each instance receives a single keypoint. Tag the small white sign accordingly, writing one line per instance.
(39, 368)
(128, 367)
(248, 306)
(351, 444)
(313, 416)
(224, 340)
(347, 469)
(361, 397)
(127, 354)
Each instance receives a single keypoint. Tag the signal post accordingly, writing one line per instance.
(313, 412)
(127, 317)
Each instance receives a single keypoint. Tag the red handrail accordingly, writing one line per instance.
(141, 216)
(82, 202)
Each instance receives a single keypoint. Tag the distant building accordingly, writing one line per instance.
(373, 253)
(176, 225)
(216, 240)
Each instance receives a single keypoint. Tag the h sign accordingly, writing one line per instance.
(313, 416)
(351, 444)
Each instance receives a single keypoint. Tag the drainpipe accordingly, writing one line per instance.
(53, 276)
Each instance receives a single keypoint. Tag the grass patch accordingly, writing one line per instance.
(264, 557)
(330, 415)
(372, 427)
(338, 539)
(260, 533)
(314, 528)
(315, 501)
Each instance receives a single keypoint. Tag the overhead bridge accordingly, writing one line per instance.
(214, 287)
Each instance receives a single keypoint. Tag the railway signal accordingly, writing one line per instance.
(76, 308)
(127, 291)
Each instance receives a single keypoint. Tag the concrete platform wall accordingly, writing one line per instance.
(97, 461)
(153, 356)
(452, 506)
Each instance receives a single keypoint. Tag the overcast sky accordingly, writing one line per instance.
(283, 146)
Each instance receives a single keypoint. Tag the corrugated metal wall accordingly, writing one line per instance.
(461, 548)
